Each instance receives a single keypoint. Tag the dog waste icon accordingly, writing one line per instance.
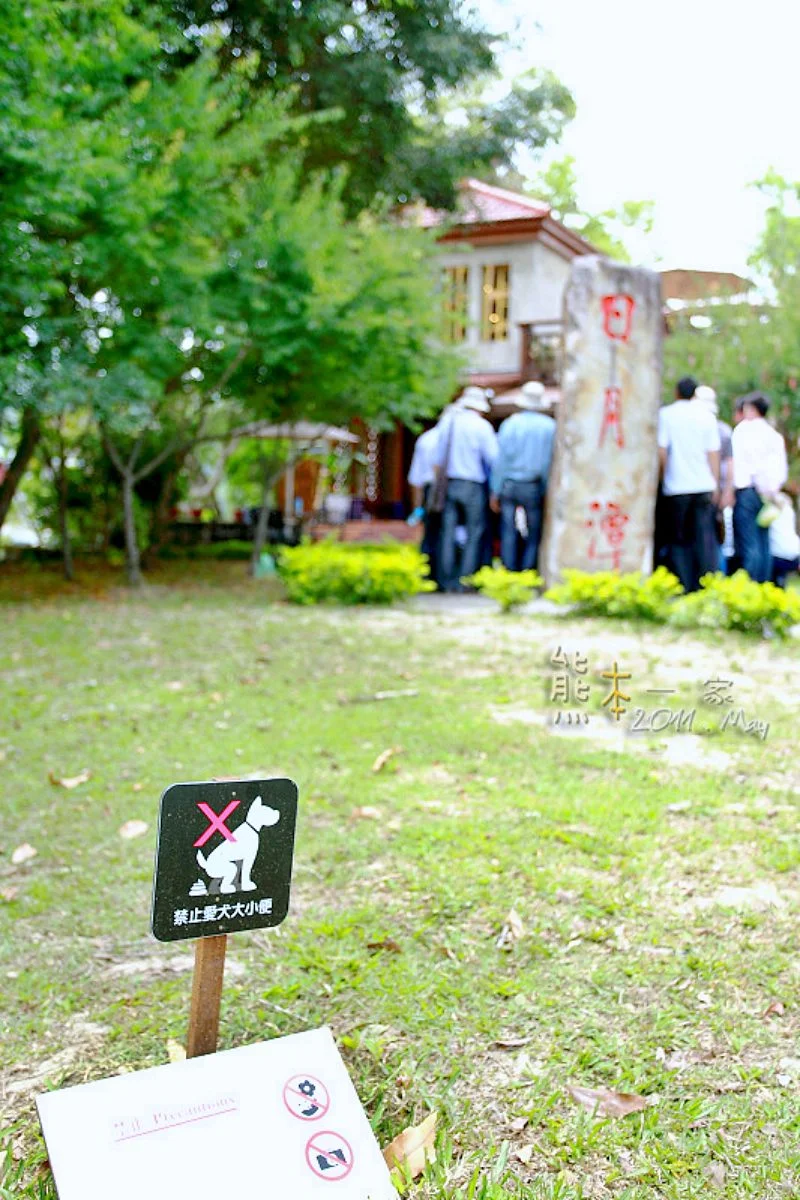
(229, 866)
(224, 857)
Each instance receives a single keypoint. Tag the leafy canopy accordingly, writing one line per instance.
(403, 82)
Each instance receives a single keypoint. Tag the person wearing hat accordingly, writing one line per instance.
(465, 453)
(519, 475)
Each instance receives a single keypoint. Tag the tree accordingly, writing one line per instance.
(740, 347)
(204, 278)
(63, 68)
(558, 187)
(403, 84)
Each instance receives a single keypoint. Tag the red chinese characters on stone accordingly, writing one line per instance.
(618, 316)
(607, 527)
(612, 417)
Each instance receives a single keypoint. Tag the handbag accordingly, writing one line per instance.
(719, 526)
(438, 492)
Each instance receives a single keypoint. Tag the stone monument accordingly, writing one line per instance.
(602, 490)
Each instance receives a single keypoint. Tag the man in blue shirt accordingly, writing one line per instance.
(465, 452)
(519, 475)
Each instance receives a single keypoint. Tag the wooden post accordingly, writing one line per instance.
(209, 967)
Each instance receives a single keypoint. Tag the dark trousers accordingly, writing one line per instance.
(782, 569)
(750, 540)
(693, 545)
(432, 537)
(530, 497)
(465, 505)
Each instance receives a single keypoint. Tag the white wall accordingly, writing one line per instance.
(537, 278)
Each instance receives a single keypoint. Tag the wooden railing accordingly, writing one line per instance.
(542, 351)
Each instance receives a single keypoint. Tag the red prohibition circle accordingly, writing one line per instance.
(336, 1170)
(319, 1098)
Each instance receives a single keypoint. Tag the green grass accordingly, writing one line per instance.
(636, 971)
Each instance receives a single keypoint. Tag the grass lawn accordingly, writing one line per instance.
(654, 876)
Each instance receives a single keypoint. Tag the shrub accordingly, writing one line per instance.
(609, 594)
(233, 550)
(736, 602)
(508, 588)
(352, 574)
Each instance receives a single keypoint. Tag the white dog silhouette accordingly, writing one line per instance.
(224, 863)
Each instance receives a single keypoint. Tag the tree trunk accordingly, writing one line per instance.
(158, 531)
(66, 543)
(132, 558)
(30, 432)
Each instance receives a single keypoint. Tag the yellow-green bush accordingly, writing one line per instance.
(508, 588)
(609, 594)
(352, 574)
(736, 602)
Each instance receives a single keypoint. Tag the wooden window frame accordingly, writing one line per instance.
(495, 302)
(456, 302)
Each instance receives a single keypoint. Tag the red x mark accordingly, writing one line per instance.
(217, 822)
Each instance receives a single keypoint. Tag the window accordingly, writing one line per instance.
(456, 280)
(494, 309)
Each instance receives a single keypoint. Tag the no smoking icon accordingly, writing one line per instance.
(329, 1155)
(306, 1098)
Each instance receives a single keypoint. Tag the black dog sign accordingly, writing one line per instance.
(223, 858)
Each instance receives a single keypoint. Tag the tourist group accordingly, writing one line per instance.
(720, 504)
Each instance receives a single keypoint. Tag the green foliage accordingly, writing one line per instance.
(609, 594)
(353, 574)
(509, 588)
(736, 602)
(740, 347)
(230, 551)
(608, 231)
(384, 75)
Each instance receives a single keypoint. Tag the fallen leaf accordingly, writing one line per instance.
(715, 1174)
(176, 1052)
(412, 1149)
(365, 813)
(23, 854)
(511, 1043)
(606, 1102)
(775, 1009)
(8, 894)
(132, 829)
(387, 944)
(398, 695)
(679, 806)
(512, 931)
(70, 781)
(175, 685)
(3, 755)
(383, 758)
(518, 1124)
(524, 1154)
(137, 787)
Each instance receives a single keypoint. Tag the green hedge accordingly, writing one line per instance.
(352, 574)
(736, 602)
(609, 594)
(508, 588)
(723, 602)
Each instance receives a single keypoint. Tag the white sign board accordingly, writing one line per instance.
(280, 1118)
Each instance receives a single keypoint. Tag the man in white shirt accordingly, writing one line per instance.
(465, 454)
(421, 477)
(688, 451)
(759, 472)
